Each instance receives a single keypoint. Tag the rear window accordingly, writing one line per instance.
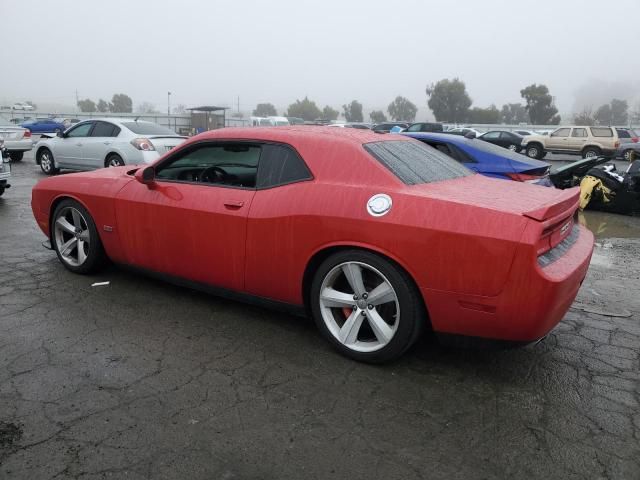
(623, 133)
(601, 132)
(148, 128)
(415, 163)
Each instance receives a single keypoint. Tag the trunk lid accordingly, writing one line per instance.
(164, 143)
(11, 133)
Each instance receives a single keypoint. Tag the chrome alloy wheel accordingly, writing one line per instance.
(532, 152)
(513, 148)
(72, 236)
(46, 163)
(115, 162)
(359, 306)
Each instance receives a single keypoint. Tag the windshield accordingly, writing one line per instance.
(148, 128)
(414, 162)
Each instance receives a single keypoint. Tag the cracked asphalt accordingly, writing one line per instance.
(140, 379)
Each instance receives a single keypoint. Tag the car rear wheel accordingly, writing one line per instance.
(591, 152)
(45, 159)
(75, 238)
(629, 155)
(535, 151)
(114, 161)
(16, 156)
(366, 306)
(513, 148)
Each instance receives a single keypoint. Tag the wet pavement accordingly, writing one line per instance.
(140, 379)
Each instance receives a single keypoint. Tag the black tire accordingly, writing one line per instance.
(410, 322)
(95, 254)
(544, 155)
(1, 191)
(590, 152)
(535, 150)
(113, 160)
(16, 156)
(46, 162)
(513, 147)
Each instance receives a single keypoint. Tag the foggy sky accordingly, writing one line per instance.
(334, 51)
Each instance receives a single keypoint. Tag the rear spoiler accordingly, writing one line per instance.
(566, 200)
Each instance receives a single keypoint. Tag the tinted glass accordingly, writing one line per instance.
(561, 132)
(414, 162)
(414, 128)
(80, 130)
(579, 132)
(227, 164)
(491, 136)
(104, 129)
(601, 132)
(623, 133)
(280, 164)
(148, 128)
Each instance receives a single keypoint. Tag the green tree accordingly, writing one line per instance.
(513, 113)
(329, 113)
(353, 111)
(540, 105)
(102, 106)
(377, 116)
(86, 105)
(265, 110)
(484, 115)
(585, 117)
(402, 109)
(146, 107)
(619, 112)
(448, 100)
(305, 109)
(121, 103)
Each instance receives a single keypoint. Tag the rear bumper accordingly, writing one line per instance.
(534, 300)
(18, 145)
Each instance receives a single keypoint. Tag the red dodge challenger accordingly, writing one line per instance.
(376, 236)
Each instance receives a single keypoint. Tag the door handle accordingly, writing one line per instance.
(233, 204)
(107, 143)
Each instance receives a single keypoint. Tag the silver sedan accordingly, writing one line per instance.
(105, 142)
(17, 140)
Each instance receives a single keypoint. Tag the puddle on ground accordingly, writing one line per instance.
(610, 225)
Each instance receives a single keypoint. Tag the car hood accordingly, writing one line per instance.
(533, 201)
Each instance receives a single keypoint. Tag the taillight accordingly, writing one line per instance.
(634, 139)
(616, 144)
(523, 177)
(143, 144)
(27, 134)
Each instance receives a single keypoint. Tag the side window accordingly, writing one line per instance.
(80, 130)
(579, 132)
(623, 133)
(104, 129)
(279, 165)
(231, 164)
(491, 135)
(601, 132)
(561, 132)
(415, 128)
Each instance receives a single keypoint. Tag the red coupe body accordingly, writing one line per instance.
(493, 259)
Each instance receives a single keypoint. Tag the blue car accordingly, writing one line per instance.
(486, 158)
(44, 125)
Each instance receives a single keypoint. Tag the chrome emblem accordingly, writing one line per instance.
(565, 227)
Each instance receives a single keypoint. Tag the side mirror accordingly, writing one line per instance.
(60, 134)
(470, 135)
(146, 175)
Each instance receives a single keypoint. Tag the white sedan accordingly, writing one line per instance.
(16, 139)
(105, 142)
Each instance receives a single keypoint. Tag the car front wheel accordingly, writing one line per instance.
(75, 238)
(45, 159)
(366, 306)
(629, 155)
(591, 152)
(535, 151)
(114, 161)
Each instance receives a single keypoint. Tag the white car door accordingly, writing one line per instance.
(98, 144)
(67, 151)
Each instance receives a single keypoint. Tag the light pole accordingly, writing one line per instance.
(168, 104)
